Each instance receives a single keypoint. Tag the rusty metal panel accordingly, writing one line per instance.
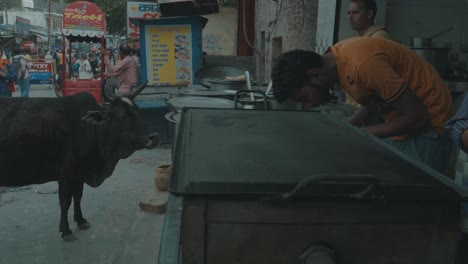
(193, 232)
(398, 233)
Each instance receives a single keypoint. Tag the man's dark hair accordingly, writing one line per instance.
(125, 49)
(368, 5)
(289, 73)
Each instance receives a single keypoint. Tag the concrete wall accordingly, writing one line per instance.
(220, 33)
(281, 26)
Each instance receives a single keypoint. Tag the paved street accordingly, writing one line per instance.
(120, 231)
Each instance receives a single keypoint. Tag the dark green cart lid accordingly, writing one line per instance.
(294, 155)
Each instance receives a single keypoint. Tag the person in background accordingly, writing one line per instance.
(61, 59)
(379, 74)
(93, 52)
(135, 56)
(85, 71)
(126, 71)
(93, 63)
(24, 84)
(7, 85)
(361, 15)
(110, 54)
(457, 127)
(27, 55)
(75, 66)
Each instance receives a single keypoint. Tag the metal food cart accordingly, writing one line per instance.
(262, 186)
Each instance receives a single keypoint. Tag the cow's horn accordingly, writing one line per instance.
(138, 90)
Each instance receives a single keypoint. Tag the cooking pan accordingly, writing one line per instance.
(178, 103)
(216, 72)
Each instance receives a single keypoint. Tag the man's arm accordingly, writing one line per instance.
(361, 116)
(413, 117)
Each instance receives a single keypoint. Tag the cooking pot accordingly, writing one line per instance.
(426, 42)
(438, 57)
(259, 100)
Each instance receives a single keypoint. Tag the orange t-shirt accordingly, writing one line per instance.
(376, 71)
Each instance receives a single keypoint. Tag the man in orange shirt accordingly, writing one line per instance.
(387, 79)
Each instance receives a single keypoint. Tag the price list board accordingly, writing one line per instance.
(169, 60)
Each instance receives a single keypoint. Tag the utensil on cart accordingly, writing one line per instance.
(426, 42)
(238, 99)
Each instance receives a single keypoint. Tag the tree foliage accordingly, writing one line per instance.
(116, 14)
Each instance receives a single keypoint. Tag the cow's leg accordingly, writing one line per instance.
(77, 194)
(65, 198)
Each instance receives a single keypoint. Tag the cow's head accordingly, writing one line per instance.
(124, 125)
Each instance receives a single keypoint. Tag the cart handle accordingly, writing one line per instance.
(372, 180)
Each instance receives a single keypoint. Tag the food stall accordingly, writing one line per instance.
(171, 49)
(82, 22)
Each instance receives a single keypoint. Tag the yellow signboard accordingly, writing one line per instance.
(169, 60)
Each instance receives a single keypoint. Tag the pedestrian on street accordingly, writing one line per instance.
(387, 79)
(24, 82)
(93, 63)
(7, 76)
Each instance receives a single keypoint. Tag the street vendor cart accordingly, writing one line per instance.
(82, 22)
(255, 186)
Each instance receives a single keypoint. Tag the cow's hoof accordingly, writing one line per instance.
(68, 236)
(84, 225)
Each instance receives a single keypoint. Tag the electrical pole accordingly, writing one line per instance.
(50, 24)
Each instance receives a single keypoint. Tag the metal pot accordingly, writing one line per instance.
(438, 57)
(426, 42)
(257, 99)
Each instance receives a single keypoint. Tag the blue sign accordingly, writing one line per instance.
(40, 77)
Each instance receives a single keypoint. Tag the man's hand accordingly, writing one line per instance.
(412, 120)
(360, 116)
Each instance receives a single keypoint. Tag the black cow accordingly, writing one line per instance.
(72, 140)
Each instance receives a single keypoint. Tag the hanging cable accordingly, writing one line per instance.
(259, 52)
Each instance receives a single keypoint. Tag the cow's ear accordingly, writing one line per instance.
(95, 117)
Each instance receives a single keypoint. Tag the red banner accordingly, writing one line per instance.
(83, 18)
(29, 45)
